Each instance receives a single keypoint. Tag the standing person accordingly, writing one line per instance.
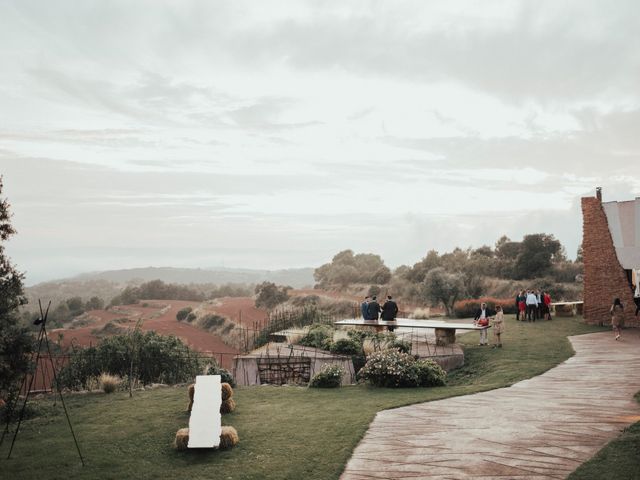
(482, 320)
(617, 317)
(389, 312)
(517, 306)
(498, 327)
(532, 305)
(539, 306)
(522, 305)
(636, 300)
(363, 308)
(546, 300)
(373, 309)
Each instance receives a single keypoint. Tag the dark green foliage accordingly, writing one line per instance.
(157, 359)
(211, 321)
(182, 313)
(394, 369)
(94, 303)
(157, 290)
(330, 376)
(191, 317)
(298, 317)
(401, 345)
(225, 375)
(16, 343)
(269, 295)
(231, 290)
(346, 346)
(318, 336)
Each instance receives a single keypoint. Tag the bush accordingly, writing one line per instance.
(330, 376)
(318, 336)
(109, 383)
(211, 321)
(468, 308)
(225, 375)
(183, 313)
(191, 317)
(401, 345)
(346, 346)
(393, 369)
(156, 359)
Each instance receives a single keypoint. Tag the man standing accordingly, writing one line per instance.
(482, 320)
(389, 312)
(532, 305)
(373, 309)
(363, 308)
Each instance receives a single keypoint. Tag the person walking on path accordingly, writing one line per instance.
(532, 305)
(617, 317)
(363, 308)
(389, 312)
(482, 320)
(498, 327)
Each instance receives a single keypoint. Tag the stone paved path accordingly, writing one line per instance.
(539, 428)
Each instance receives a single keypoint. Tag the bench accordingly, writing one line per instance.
(445, 331)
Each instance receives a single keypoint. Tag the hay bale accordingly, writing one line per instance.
(192, 391)
(229, 437)
(228, 406)
(181, 441)
(227, 391)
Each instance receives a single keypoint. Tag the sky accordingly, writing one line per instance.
(275, 134)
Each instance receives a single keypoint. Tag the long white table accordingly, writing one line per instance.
(445, 331)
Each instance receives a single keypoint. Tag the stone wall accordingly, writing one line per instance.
(604, 277)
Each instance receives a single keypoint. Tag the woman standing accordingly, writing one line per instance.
(522, 305)
(498, 326)
(617, 317)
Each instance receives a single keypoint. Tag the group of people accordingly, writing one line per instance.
(481, 319)
(532, 305)
(372, 310)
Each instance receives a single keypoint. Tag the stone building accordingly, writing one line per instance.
(611, 252)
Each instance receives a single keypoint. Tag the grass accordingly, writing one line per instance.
(618, 460)
(285, 432)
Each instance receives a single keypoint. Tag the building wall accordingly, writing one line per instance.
(604, 277)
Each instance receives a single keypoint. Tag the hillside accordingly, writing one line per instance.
(295, 277)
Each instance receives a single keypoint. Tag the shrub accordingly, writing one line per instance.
(211, 321)
(109, 383)
(225, 375)
(156, 359)
(183, 313)
(393, 369)
(467, 308)
(346, 346)
(330, 376)
(318, 336)
(191, 317)
(401, 345)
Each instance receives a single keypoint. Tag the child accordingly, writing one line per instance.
(498, 326)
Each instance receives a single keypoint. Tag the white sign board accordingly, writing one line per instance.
(205, 425)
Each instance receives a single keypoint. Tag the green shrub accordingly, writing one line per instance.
(346, 346)
(402, 345)
(211, 321)
(468, 308)
(318, 336)
(183, 313)
(330, 376)
(393, 369)
(191, 317)
(156, 359)
(225, 375)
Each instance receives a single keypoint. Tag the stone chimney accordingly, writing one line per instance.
(599, 194)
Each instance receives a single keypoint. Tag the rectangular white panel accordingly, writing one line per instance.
(205, 424)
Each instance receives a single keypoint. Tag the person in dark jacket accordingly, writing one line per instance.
(363, 308)
(389, 312)
(373, 309)
(482, 319)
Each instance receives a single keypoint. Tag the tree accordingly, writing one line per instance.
(442, 287)
(537, 255)
(16, 343)
(269, 295)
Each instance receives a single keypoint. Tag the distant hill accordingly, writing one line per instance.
(108, 284)
(295, 277)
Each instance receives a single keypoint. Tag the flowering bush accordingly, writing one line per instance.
(468, 308)
(330, 376)
(393, 368)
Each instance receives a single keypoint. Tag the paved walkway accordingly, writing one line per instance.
(539, 428)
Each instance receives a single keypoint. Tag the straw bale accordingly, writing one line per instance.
(227, 391)
(182, 439)
(228, 406)
(229, 437)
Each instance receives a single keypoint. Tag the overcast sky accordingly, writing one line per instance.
(274, 134)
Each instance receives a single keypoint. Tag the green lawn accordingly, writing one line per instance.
(285, 432)
(619, 460)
